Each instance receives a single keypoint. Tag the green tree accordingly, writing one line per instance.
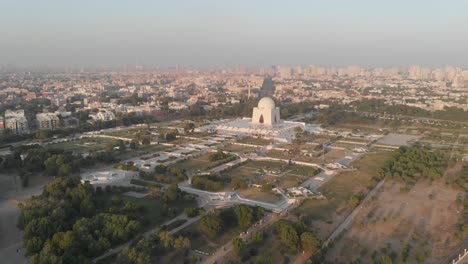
(244, 215)
(171, 194)
(189, 127)
(210, 224)
(385, 260)
(310, 242)
(238, 245)
(354, 200)
(287, 235)
(134, 144)
(182, 243)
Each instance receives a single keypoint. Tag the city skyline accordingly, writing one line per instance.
(208, 34)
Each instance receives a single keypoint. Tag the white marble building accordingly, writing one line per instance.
(265, 123)
(266, 112)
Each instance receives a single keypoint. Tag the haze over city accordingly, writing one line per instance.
(210, 33)
(234, 132)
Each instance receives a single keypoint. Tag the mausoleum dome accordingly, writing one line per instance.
(266, 103)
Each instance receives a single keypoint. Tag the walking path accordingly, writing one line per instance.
(148, 233)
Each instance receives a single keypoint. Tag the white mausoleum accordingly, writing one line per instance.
(266, 112)
(265, 122)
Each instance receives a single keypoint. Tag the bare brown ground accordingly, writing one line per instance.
(395, 219)
(11, 193)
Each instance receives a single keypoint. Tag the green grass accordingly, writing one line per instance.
(240, 149)
(242, 172)
(255, 141)
(83, 145)
(317, 209)
(347, 183)
(141, 150)
(302, 170)
(342, 186)
(251, 169)
(279, 154)
(286, 181)
(259, 195)
(200, 163)
(265, 164)
(201, 134)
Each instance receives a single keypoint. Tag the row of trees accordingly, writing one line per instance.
(208, 182)
(165, 174)
(145, 249)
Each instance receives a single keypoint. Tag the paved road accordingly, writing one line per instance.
(353, 214)
(229, 198)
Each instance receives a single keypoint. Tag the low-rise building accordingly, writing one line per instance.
(103, 115)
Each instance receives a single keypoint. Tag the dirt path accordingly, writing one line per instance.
(11, 245)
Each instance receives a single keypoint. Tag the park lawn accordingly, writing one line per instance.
(347, 183)
(293, 146)
(242, 172)
(256, 194)
(201, 134)
(279, 154)
(318, 209)
(83, 145)
(254, 141)
(265, 164)
(240, 149)
(344, 185)
(301, 170)
(193, 165)
(124, 133)
(200, 163)
(140, 151)
(250, 170)
(182, 140)
(330, 156)
(284, 182)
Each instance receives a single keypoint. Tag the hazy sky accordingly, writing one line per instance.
(216, 33)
